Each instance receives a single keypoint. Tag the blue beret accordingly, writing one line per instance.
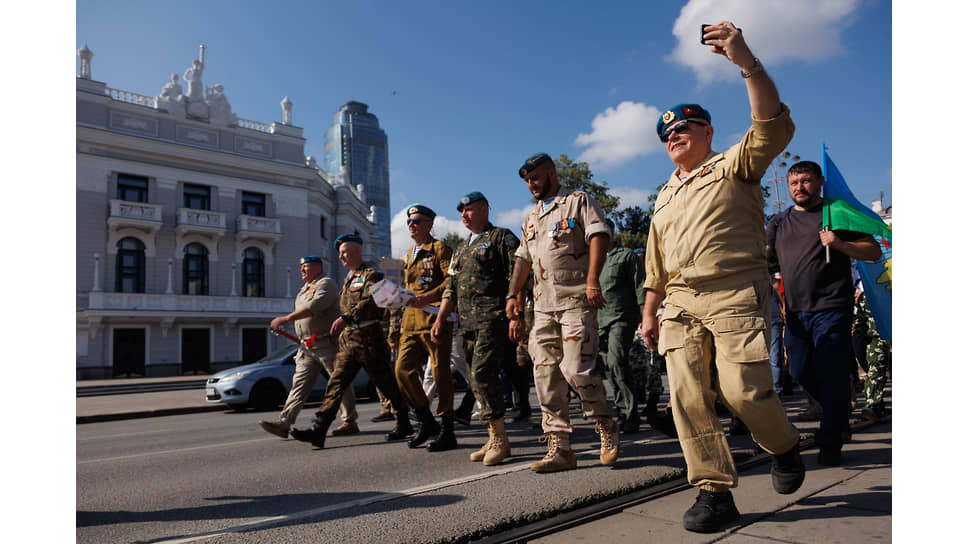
(310, 259)
(349, 237)
(473, 196)
(421, 209)
(639, 251)
(680, 112)
(533, 162)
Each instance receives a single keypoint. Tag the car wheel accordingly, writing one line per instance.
(267, 395)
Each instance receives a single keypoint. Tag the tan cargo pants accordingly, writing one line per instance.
(564, 348)
(716, 347)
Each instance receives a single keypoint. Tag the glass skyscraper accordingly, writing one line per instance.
(357, 145)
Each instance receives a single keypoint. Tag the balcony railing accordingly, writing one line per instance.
(204, 221)
(222, 305)
(265, 228)
(124, 213)
(253, 125)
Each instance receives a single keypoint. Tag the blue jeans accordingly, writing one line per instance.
(776, 355)
(819, 351)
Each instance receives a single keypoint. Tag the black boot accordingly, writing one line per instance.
(427, 427)
(663, 422)
(632, 423)
(316, 435)
(524, 412)
(652, 405)
(710, 512)
(403, 428)
(465, 411)
(445, 440)
(788, 471)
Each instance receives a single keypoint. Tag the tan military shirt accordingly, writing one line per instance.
(320, 297)
(424, 273)
(554, 239)
(708, 230)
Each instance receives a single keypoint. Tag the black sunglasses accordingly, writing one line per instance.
(678, 129)
(413, 221)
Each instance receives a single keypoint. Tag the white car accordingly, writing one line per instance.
(265, 384)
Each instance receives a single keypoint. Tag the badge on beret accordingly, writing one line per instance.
(412, 210)
(668, 116)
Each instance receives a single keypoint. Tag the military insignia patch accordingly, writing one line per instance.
(706, 170)
(668, 116)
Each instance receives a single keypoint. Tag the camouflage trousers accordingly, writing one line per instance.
(878, 366)
(564, 347)
(647, 367)
(485, 351)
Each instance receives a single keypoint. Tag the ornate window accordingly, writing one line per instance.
(253, 273)
(197, 197)
(195, 270)
(132, 188)
(253, 204)
(130, 266)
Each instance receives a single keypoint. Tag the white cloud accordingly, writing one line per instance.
(807, 30)
(620, 134)
(512, 219)
(631, 196)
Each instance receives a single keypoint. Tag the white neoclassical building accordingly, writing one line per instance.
(190, 224)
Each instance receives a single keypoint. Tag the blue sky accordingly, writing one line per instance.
(481, 86)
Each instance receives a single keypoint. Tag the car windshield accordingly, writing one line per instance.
(279, 354)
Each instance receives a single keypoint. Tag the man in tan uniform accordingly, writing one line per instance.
(564, 240)
(425, 273)
(706, 258)
(315, 309)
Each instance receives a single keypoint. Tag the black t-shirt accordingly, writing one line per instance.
(811, 284)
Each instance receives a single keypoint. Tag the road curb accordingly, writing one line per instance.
(97, 418)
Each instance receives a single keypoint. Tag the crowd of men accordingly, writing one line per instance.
(570, 302)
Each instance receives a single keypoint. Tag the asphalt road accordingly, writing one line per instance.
(217, 477)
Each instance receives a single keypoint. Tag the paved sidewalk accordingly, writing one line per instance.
(848, 504)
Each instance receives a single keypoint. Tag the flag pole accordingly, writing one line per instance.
(826, 201)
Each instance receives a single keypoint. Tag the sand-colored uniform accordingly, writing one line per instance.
(425, 272)
(564, 338)
(321, 297)
(706, 255)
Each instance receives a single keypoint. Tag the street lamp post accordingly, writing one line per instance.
(777, 165)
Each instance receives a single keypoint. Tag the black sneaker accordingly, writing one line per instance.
(830, 457)
(788, 471)
(710, 512)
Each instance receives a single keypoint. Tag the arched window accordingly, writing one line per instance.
(195, 270)
(253, 273)
(129, 274)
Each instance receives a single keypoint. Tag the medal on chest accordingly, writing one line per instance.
(482, 248)
(561, 227)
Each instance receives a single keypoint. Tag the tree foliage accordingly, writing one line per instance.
(452, 240)
(577, 176)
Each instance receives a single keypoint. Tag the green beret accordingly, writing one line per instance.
(533, 162)
(421, 209)
(473, 196)
(349, 237)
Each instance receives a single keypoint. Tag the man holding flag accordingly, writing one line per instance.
(814, 255)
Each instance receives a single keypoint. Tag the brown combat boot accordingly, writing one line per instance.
(608, 429)
(559, 456)
(277, 427)
(500, 447)
(480, 454)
